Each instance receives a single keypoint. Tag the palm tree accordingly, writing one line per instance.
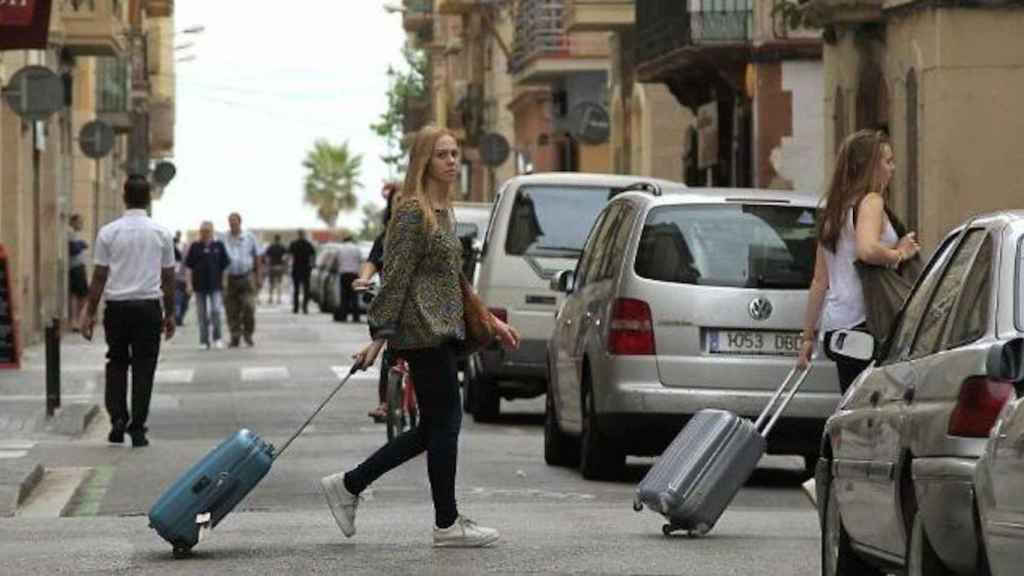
(332, 176)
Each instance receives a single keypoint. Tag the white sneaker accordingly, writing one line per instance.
(810, 491)
(464, 534)
(342, 502)
(219, 344)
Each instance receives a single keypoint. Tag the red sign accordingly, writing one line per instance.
(24, 24)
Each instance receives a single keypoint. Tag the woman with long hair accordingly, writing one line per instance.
(419, 314)
(854, 225)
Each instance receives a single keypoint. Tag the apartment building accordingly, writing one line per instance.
(113, 58)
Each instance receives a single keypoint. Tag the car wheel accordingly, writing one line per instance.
(560, 449)
(469, 374)
(921, 557)
(396, 418)
(600, 457)
(486, 402)
(837, 555)
(810, 464)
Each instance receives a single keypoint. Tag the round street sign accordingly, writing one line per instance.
(164, 173)
(590, 123)
(494, 149)
(96, 139)
(34, 93)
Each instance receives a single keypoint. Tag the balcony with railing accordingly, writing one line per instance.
(159, 8)
(667, 26)
(599, 15)
(417, 15)
(849, 11)
(112, 92)
(92, 27)
(544, 48)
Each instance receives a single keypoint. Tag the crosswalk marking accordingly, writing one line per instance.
(10, 449)
(263, 373)
(342, 371)
(183, 376)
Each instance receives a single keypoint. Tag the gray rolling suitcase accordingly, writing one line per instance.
(704, 467)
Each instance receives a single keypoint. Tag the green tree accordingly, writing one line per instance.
(372, 226)
(332, 176)
(407, 84)
(798, 13)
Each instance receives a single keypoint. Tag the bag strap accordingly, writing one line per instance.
(353, 370)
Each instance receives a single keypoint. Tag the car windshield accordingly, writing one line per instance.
(739, 245)
(553, 221)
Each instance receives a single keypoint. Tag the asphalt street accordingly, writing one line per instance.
(88, 514)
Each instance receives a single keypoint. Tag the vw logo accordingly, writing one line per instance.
(760, 308)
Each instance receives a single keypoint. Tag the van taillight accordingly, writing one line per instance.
(980, 402)
(500, 313)
(630, 331)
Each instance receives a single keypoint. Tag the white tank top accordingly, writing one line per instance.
(844, 300)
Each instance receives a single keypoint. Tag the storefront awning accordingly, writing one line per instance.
(24, 24)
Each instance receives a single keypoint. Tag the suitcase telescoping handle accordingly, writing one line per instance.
(355, 368)
(772, 411)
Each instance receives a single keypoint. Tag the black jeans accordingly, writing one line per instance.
(437, 394)
(848, 368)
(133, 341)
(348, 303)
(300, 282)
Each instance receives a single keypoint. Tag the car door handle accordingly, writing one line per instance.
(908, 395)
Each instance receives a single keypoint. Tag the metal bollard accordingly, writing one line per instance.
(52, 367)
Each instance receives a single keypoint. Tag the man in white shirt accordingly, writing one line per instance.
(134, 270)
(244, 281)
(349, 261)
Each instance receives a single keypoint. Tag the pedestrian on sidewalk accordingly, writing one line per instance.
(419, 312)
(134, 269)
(244, 281)
(275, 262)
(302, 254)
(78, 282)
(182, 294)
(349, 261)
(207, 261)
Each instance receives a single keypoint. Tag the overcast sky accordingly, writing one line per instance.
(268, 79)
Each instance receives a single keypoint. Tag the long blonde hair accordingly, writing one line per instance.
(415, 187)
(856, 174)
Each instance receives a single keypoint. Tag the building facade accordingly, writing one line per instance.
(943, 78)
(752, 86)
(98, 49)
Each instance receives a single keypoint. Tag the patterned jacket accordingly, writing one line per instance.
(420, 300)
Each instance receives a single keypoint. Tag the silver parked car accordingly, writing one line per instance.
(999, 480)
(683, 299)
(899, 456)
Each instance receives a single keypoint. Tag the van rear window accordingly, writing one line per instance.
(553, 221)
(739, 245)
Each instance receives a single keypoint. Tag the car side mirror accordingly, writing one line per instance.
(1006, 361)
(563, 281)
(853, 344)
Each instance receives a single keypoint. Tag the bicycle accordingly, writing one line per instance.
(403, 412)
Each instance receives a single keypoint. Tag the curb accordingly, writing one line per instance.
(73, 419)
(16, 483)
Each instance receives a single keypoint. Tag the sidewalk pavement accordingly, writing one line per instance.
(23, 421)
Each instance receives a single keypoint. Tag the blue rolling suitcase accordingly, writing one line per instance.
(201, 497)
(701, 471)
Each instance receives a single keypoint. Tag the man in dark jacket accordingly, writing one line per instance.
(302, 254)
(206, 261)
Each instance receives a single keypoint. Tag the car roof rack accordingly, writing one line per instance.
(642, 186)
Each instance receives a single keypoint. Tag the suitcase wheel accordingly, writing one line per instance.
(180, 552)
(637, 506)
(668, 529)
